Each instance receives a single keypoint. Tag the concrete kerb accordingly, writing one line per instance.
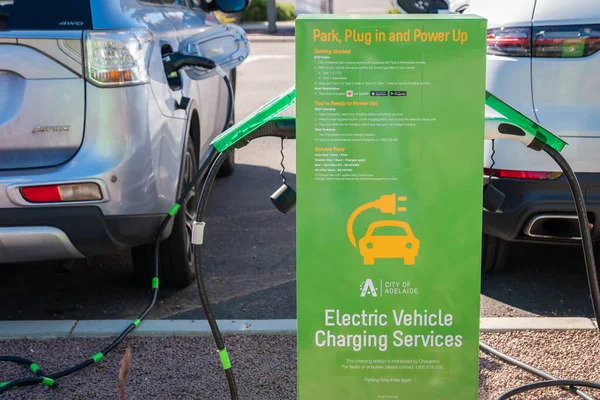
(36, 329)
(162, 328)
(499, 325)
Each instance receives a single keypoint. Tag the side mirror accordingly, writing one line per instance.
(227, 6)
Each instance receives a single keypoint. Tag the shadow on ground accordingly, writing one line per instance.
(546, 280)
(249, 259)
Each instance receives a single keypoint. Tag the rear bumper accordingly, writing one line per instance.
(70, 232)
(35, 243)
(527, 200)
(136, 156)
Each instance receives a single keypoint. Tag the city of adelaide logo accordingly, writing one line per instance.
(379, 288)
(367, 288)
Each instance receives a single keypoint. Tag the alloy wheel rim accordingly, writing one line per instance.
(189, 207)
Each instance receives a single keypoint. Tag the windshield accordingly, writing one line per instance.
(45, 15)
(389, 230)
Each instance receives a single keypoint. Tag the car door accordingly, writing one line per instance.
(565, 65)
(154, 15)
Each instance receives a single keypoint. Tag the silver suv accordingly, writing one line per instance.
(96, 141)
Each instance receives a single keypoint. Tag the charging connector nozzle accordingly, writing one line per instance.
(173, 62)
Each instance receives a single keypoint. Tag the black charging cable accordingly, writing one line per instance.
(212, 322)
(542, 374)
(594, 286)
(546, 384)
(50, 380)
(584, 226)
(200, 211)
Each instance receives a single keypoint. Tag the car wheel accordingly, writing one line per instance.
(228, 167)
(495, 252)
(176, 268)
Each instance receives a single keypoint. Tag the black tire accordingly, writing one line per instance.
(228, 167)
(495, 253)
(176, 268)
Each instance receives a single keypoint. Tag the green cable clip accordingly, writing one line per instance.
(174, 209)
(97, 357)
(225, 359)
(47, 382)
(154, 283)
(34, 368)
(137, 322)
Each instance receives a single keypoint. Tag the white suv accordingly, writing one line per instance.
(543, 59)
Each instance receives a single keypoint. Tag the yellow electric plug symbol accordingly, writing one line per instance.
(403, 245)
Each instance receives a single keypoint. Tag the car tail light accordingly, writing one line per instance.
(566, 41)
(118, 58)
(549, 42)
(514, 42)
(532, 175)
(62, 193)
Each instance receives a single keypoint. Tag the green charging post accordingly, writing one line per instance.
(389, 178)
(239, 132)
(529, 128)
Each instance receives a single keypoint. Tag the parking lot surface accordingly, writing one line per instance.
(250, 247)
(265, 366)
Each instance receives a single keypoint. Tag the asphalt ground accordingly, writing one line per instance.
(265, 366)
(250, 254)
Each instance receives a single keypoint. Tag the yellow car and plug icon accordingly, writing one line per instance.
(401, 245)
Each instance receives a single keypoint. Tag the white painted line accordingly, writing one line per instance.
(268, 57)
(265, 24)
(264, 38)
(161, 328)
(523, 324)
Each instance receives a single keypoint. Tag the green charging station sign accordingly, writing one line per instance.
(390, 126)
